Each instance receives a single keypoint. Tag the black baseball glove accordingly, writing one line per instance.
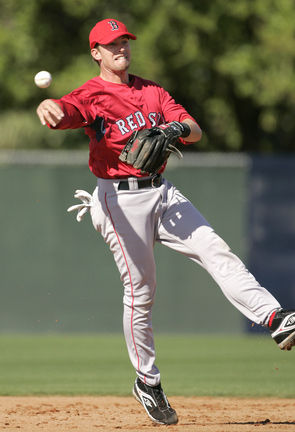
(148, 149)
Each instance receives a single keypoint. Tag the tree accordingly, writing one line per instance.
(231, 64)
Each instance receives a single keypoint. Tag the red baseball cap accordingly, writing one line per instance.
(106, 31)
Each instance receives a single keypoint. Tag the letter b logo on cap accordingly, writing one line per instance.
(114, 25)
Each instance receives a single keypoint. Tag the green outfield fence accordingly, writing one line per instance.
(57, 275)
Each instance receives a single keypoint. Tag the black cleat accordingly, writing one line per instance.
(154, 402)
(282, 328)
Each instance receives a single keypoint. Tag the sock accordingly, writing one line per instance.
(271, 319)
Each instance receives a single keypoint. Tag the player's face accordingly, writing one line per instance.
(114, 56)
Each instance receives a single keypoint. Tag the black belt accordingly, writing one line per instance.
(142, 183)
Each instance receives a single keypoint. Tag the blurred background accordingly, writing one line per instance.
(231, 64)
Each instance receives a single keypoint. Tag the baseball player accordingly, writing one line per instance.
(133, 125)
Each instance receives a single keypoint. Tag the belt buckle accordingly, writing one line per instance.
(132, 183)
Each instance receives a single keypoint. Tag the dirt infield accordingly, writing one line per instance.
(113, 414)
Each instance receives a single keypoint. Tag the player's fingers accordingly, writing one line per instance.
(54, 108)
(41, 117)
(50, 112)
(51, 118)
(41, 112)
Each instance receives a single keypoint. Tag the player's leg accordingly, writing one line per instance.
(123, 219)
(184, 229)
(127, 222)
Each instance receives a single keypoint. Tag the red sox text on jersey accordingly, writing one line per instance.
(137, 121)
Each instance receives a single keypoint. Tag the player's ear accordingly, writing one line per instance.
(96, 54)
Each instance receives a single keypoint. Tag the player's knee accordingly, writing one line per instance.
(143, 305)
(139, 298)
(216, 255)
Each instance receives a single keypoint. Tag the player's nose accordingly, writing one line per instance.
(122, 46)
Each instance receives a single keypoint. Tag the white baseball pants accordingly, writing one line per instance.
(131, 221)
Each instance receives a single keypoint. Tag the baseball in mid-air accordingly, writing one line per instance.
(43, 79)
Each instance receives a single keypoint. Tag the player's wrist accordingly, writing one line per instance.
(186, 130)
(177, 128)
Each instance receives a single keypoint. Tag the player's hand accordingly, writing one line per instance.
(49, 112)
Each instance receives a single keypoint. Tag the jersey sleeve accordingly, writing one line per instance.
(72, 119)
(174, 112)
(77, 109)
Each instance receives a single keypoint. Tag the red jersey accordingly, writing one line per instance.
(110, 113)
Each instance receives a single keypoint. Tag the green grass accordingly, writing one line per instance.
(99, 365)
